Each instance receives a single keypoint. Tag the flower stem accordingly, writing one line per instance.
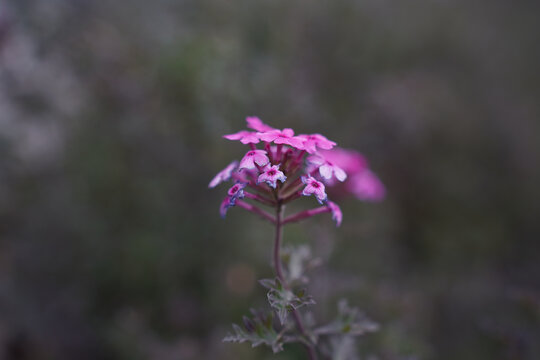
(259, 198)
(292, 196)
(257, 211)
(279, 273)
(306, 214)
(277, 243)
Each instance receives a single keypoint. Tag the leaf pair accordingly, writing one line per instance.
(283, 300)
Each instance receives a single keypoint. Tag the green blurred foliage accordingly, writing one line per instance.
(111, 116)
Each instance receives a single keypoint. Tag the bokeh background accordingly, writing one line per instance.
(111, 116)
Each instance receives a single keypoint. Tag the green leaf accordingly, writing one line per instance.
(349, 321)
(340, 348)
(297, 261)
(258, 330)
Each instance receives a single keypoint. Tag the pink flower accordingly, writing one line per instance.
(362, 182)
(225, 205)
(256, 124)
(314, 141)
(223, 175)
(337, 215)
(285, 136)
(253, 157)
(366, 186)
(314, 187)
(236, 192)
(349, 160)
(245, 137)
(327, 169)
(271, 174)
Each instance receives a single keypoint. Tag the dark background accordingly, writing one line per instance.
(111, 116)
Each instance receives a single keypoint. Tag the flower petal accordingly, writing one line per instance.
(337, 215)
(236, 136)
(246, 163)
(326, 171)
(223, 175)
(339, 173)
(288, 132)
(268, 136)
(256, 124)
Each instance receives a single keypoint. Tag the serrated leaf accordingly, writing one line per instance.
(257, 330)
(349, 321)
(267, 283)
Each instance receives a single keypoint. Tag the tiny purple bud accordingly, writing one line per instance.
(248, 324)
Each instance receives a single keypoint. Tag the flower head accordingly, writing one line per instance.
(314, 187)
(314, 141)
(271, 174)
(337, 215)
(285, 136)
(327, 169)
(253, 157)
(223, 175)
(245, 137)
(256, 124)
(324, 167)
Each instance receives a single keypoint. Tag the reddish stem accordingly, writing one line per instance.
(277, 243)
(257, 211)
(306, 214)
(259, 198)
(291, 197)
(292, 184)
(299, 157)
(269, 152)
(278, 152)
(293, 165)
(297, 184)
(279, 273)
(286, 160)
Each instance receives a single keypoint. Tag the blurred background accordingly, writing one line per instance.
(111, 116)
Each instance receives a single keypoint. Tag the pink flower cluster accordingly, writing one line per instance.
(289, 166)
